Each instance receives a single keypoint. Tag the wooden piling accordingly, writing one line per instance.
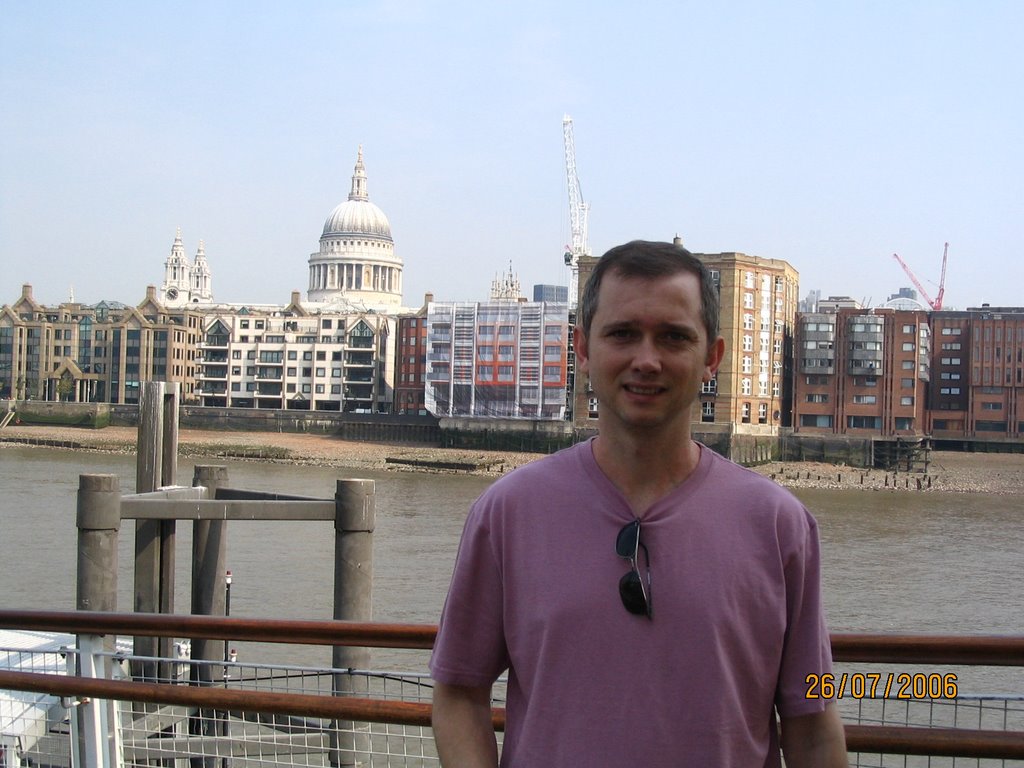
(99, 521)
(209, 595)
(98, 517)
(156, 466)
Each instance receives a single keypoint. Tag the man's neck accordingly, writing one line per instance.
(646, 470)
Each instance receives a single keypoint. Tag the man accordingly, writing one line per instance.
(653, 603)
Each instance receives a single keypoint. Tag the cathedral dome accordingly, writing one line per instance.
(356, 262)
(356, 217)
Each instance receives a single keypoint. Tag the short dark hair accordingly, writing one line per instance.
(648, 260)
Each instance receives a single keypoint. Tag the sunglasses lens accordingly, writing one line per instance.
(627, 540)
(632, 593)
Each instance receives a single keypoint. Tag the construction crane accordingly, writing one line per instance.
(579, 212)
(936, 303)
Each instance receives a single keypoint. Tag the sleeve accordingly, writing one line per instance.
(470, 647)
(807, 647)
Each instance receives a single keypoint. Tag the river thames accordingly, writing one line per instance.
(906, 562)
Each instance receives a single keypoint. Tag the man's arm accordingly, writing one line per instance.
(815, 741)
(463, 731)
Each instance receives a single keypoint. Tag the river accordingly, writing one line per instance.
(894, 562)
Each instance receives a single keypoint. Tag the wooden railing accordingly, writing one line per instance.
(881, 649)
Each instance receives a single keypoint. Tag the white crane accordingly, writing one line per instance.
(579, 212)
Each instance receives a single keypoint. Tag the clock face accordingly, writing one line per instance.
(172, 293)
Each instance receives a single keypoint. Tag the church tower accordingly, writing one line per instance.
(177, 276)
(202, 290)
(184, 282)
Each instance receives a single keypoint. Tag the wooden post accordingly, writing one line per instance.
(154, 539)
(209, 568)
(355, 512)
(99, 521)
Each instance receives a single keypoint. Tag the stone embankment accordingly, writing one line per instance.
(948, 471)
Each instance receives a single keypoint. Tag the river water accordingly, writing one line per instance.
(894, 562)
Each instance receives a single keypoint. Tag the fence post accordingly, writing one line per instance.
(94, 716)
(209, 566)
(355, 514)
(98, 517)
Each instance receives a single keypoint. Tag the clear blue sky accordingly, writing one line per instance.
(829, 134)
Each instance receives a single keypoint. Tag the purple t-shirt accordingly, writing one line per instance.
(738, 623)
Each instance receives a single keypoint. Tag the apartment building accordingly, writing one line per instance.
(95, 353)
(978, 387)
(289, 358)
(758, 299)
(498, 359)
(411, 362)
(862, 372)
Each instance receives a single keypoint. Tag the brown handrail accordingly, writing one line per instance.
(995, 650)
(373, 635)
(299, 704)
(936, 742)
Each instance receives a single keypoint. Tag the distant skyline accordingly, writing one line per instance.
(830, 135)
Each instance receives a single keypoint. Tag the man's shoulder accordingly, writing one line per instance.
(564, 466)
(728, 476)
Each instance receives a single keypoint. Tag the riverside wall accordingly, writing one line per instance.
(745, 444)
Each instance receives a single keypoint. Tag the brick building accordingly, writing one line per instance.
(862, 371)
(978, 387)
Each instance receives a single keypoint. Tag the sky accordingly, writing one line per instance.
(827, 134)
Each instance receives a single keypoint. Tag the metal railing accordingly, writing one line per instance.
(980, 728)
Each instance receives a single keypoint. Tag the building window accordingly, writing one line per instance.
(908, 329)
(762, 413)
(864, 422)
(906, 400)
(817, 397)
(746, 413)
(745, 387)
(908, 346)
(707, 411)
(991, 406)
(864, 399)
(811, 420)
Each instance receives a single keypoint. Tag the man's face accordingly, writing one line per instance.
(647, 352)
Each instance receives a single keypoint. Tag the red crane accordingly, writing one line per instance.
(936, 303)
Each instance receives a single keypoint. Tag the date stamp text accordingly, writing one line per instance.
(872, 685)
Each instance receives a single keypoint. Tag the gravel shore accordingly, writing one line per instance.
(949, 471)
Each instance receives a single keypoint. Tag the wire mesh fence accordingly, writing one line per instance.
(36, 729)
(968, 711)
